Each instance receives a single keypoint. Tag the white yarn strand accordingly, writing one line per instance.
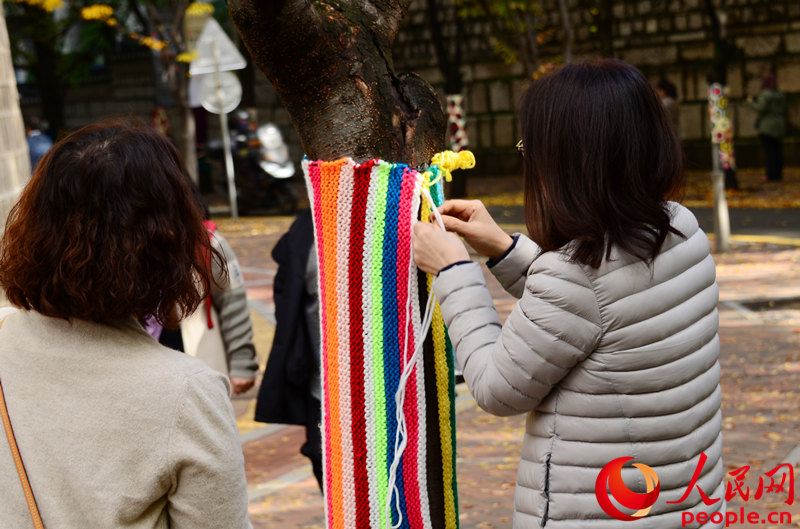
(401, 434)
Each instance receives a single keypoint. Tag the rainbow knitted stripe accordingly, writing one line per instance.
(372, 298)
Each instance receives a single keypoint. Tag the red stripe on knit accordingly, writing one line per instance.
(361, 174)
(405, 330)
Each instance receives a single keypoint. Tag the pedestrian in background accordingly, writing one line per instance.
(219, 331)
(612, 349)
(770, 104)
(291, 390)
(669, 98)
(114, 429)
(38, 142)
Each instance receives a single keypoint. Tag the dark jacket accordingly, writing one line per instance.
(284, 396)
(771, 108)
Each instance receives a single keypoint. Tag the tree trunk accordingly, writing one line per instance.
(604, 23)
(189, 139)
(15, 165)
(568, 35)
(330, 63)
(15, 168)
(51, 86)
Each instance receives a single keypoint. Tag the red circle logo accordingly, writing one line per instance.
(610, 481)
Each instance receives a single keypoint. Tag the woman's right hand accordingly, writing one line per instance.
(471, 220)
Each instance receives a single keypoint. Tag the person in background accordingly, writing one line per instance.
(669, 98)
(291, 391)
(38, 142)
(612, 349)
(219, 331)
(115, 430)
(770, 104)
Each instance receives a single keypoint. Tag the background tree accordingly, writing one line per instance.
(516, 31)
(58, 41)
(15, 165)
(57, 52)
(602, 25)
(14, 160)
(161, 28)
(449, 53)
(518, 34)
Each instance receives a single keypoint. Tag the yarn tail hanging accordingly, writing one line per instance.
(388, 417)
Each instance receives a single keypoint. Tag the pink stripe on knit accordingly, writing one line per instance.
(407, 344)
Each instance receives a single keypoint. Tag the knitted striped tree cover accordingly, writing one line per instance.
(372, 300)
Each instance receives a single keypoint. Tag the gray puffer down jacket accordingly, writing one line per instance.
(617, 361)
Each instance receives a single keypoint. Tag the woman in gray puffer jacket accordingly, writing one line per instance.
(612, 349)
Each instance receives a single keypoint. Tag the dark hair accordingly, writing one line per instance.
(600, 160)
(108, 228)
(33, 123)
(769, 81)
(668, 88)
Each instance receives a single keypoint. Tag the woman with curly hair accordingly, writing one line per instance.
(612, 349)
(114, 429)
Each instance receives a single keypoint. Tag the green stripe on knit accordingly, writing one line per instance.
(376, 311)
(452, 391)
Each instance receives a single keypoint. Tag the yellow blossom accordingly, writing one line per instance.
(186, 57)
(152, 43)
(97, 12)
(47, 5)
(199, 8)
(50, 5)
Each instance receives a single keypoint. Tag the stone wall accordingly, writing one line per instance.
(664, 38)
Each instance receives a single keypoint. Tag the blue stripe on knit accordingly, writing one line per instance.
(392, 354)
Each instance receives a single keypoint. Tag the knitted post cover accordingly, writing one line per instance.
(383, 466)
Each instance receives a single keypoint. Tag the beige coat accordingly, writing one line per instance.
(116, 431)
(620, 361)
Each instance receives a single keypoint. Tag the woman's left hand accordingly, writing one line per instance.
(435, 248)
(240, 385)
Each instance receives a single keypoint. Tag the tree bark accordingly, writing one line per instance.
(568, 34)
(330, 63)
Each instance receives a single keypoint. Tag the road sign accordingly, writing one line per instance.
(228, 57)
(219, 94)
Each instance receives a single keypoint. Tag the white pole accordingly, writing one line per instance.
(722, 225)
(226, 138)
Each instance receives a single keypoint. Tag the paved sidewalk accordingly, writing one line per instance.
(760, 334)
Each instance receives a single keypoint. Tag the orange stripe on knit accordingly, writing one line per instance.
(329, 173)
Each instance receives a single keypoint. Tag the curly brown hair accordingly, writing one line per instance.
(108, 228)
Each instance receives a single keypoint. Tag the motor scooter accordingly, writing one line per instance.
(263, 173)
